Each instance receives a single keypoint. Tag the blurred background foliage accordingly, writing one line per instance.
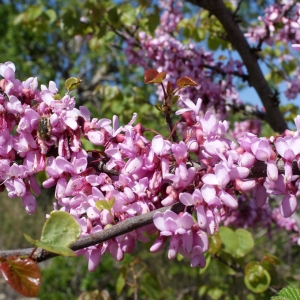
(51, 40)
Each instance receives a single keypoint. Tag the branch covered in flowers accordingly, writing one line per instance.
(96, 238)
(130, 179)
(258, 170)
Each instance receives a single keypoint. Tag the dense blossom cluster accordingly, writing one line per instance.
(280, 23)
(164, 52)
(41, 131)
(250, 125)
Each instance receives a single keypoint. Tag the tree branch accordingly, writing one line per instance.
(96, 238)
(255, 75)
(247, 110)
(258, 170)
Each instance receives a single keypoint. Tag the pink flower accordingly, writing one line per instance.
(175, 226)
(288, 205)
(288, 147)
(296, 47)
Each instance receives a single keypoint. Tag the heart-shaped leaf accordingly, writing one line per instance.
(23, 275)
(150, 75)
(256, 278)
(246, 242)
(72, 83)
(229, 239)
(59, 231)
(186, 81)
(153, 76)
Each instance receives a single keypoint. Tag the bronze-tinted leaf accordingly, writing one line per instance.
(152, 76)
(149, 75)
(186, 81)
(23, 275)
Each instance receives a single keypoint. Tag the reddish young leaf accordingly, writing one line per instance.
(186, 81)
(149, 75)
(152, 76)
(160, 77)
(23, 275)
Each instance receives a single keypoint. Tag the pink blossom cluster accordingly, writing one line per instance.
(164, 52)
(42, 132)
(280, 23)
(293, 86)
(249, 215)
(250, 125)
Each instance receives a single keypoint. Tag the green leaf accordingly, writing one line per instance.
(215, 293)
(128, 14)
(105, 204)
(69, 21)
(213, 42)
(268, 262)
(150, 285)
(57, 97)
(276, 76)
(59, 231)
(114, 16)
(61, 250)
(289, 66)
(51, 14)
(215, 243)
(157, 107)
(288, 293)
(246, 242)
(229, 239)
(153, 20)
(23, 275)
(121, 280)
(19, 19)
(256, 278)
(186, 32)
(201, 33)
(223, 268)
(72, 83)
(34, 12)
